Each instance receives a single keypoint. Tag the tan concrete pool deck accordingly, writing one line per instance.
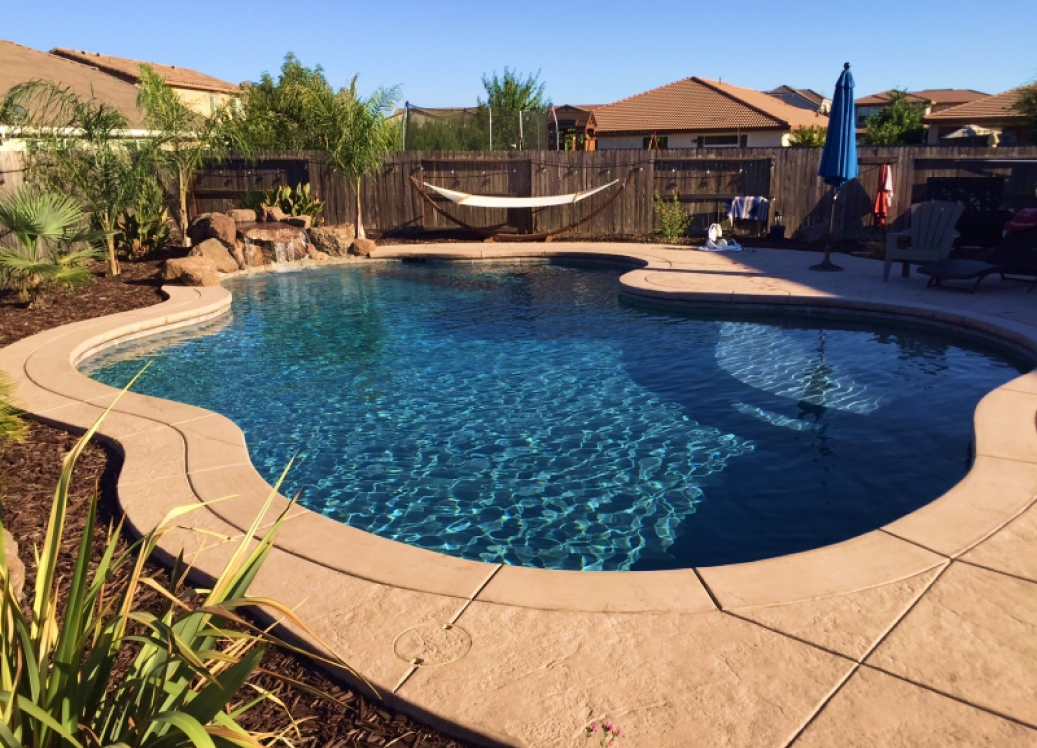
(922, 633)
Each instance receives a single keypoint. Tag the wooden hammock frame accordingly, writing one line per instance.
(492, 235)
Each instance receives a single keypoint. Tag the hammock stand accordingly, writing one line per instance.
(490, 235)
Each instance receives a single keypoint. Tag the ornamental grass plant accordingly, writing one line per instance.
(82, 665)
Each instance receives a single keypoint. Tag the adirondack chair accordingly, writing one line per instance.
(929, 238)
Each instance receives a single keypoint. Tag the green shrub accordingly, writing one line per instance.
(50, 230)
(808, 137)
(98, 671)
(292, 202)
(673, 219)
(145, 227)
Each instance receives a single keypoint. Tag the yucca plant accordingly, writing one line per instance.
(98, 671)
(12, 425)
(50, 231)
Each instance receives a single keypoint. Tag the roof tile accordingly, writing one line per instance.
(130, 70)
(999, 106)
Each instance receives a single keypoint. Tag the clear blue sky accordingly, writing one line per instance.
(587, 52)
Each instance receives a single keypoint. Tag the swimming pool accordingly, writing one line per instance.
(524, 414)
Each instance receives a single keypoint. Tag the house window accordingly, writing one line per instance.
(655, 141)
(722, 141)
(863, 112)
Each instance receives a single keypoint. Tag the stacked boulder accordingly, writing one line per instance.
(242, 238)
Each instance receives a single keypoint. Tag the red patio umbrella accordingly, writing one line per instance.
(883, 197)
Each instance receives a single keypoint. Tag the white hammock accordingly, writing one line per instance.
(487, 201)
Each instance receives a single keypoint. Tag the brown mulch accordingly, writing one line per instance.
(29, 473)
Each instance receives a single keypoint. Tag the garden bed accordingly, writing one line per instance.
(29, 472)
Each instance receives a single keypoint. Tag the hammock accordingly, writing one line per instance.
(487, 201)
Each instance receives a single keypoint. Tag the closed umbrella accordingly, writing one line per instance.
(839, 156)
(883, 197)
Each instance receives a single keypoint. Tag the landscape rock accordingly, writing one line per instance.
(215, 250)
(316, 254)
(15, 567)
(334, 240)
(364, 247)
(301, 221)
(242, 215)
(191, 271)
(271, 213)
(213, 226)
(239, 255)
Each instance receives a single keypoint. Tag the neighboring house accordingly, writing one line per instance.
(932, 100)
(19, 64)
(201, 92)
(804, 98)
(992, 113)
(698, 113)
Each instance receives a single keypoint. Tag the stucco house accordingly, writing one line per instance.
(932, 100)
(19, 64)
(994, 113)
(698, 113)
(203, 93)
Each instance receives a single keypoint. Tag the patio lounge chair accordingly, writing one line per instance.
(1015, 258)
(929, 238)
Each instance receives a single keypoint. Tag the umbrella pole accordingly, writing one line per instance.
(826, 263)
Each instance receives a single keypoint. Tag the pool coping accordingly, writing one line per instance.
(175, 454)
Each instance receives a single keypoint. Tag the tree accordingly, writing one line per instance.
(352, 130)
(808, 137)
(81, 147)
(184, 140)
(512, 93)
(897, 123)
(1026, 105)
(48, 228)
(272, 113)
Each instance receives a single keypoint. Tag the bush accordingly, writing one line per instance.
(97, 671)
(49, 228)
(808, 137)
(145, 227)
(292, 202)
(673, 219)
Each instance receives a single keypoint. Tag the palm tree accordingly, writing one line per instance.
(352, 130)
(82, 147)
(47, 227)
(184, 139)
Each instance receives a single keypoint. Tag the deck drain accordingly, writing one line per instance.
(432, 644)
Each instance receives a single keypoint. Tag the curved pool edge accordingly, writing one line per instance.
(176, 454)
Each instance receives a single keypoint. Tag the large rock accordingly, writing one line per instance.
(301, 221)
(213, 226)
(364, 247)
(191, 271)
(215, 250)
(242, 215)
(271, 213)
(334, 240)
(15, 567)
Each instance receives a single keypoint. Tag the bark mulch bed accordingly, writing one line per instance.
(29, 473)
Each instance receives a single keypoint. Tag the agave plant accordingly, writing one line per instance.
(98, 671)
(50, 230)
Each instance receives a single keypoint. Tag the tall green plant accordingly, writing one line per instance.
(808, 137)
(897, 123)
(352, 130)
(12, 426)
(98, 671)
(49, 229)
(184, 139)
(81, 147)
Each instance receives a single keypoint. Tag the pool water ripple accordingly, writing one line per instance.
(524, 415)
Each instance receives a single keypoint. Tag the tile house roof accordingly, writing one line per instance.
(995, 107)
(19, 64)
(698, 104)
(807, 93)
(129, 71)
(933, 96)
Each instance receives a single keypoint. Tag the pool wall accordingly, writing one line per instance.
(177, 454)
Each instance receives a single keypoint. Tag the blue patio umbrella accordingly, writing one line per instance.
(839, 156)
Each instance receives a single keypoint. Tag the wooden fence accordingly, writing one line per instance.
(991, 181)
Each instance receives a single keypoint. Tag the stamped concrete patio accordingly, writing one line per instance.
(922, 633)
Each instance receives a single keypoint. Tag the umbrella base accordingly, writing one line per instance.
(826, 265)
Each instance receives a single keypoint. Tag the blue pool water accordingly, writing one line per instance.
(525, 414)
